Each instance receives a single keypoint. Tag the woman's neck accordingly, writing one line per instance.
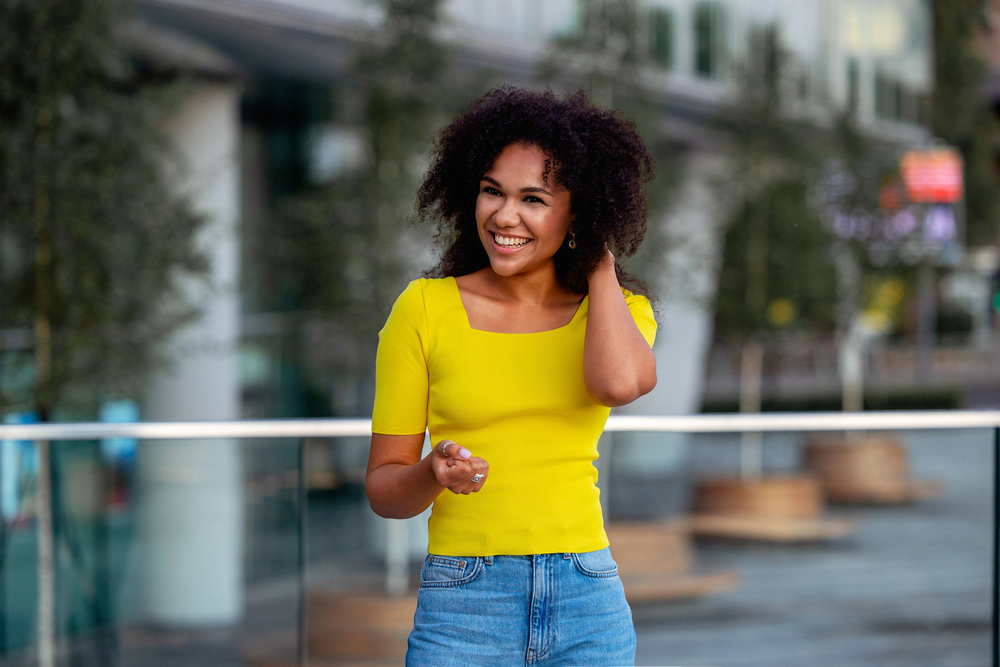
(538, 288)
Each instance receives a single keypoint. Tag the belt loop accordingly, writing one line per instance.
(567, 556)
(489, 560)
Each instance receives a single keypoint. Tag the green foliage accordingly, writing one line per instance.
(341, 251)
(960, 113)
(774, 248)
(764, 144)
(601, 55)
(91, 242)
(604, 56)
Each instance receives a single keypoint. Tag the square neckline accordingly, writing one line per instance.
(468, 324)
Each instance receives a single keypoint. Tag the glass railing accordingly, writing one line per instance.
(819, 539)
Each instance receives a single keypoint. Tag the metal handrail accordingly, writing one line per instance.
(721, 423)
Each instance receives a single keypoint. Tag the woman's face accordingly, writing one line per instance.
(522, 219)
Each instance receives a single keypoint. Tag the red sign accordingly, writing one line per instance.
(933, 176)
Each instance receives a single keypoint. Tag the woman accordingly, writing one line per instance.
(512, 355)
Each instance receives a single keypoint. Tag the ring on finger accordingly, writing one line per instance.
(477, 478)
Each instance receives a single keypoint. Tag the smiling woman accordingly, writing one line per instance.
(511, 353)
(522, 221)
(519, 220)
(594, 153)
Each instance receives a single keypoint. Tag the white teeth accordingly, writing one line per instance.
(509, 242)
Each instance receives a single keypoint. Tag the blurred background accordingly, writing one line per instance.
(205, 214)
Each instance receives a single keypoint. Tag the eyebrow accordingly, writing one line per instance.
(531, 189)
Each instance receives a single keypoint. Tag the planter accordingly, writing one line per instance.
(791, 497)
(774, 508)
(345, 630)
(359, 626)
(870, 469)
(655, 562)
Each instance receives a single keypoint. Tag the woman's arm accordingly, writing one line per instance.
(399, 484)
(618, 364)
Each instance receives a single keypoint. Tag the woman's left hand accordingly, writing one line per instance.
(457, 469)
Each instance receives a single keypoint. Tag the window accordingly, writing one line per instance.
(853, 85)
(884, 97)
(913, 107)
(709, 31)
(895, 100)
(661, 37)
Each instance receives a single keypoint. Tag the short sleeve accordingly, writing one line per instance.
(642, 313)
(401, 375)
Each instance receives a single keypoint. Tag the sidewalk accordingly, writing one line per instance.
(912, 588)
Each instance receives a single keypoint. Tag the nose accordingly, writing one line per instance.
(507, 215)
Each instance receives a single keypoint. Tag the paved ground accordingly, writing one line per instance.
(911, 588)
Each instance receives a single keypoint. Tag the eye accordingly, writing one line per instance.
(490, 190)
(532, 199)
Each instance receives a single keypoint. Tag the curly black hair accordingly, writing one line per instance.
(595, 153)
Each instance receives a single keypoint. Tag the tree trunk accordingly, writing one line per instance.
(751, 374)
(43, 353)
(752, 358)
(850, 348)
(926, 314)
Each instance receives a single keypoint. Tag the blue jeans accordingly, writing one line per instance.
(538, 611)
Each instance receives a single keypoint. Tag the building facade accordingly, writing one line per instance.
(262, 132)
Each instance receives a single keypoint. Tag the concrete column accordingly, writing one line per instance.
(647, 469)
(686, 289)
(190, 493)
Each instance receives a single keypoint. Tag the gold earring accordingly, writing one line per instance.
(572, 240)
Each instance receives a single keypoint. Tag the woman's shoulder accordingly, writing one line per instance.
(429, 287)
(424, 285)
(631, 298)
(422, 294)
(642, 313)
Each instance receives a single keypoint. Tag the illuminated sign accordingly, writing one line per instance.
(934, 226)
(933, 176)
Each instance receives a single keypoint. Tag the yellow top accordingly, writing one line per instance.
(516, 400)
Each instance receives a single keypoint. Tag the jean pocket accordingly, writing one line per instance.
(444, 571)
(598, 564)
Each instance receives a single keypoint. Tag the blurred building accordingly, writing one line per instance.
(901, 371)
(869, 56)
(255, 126)
(269, 126)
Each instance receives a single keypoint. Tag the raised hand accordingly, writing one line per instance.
(457, 469)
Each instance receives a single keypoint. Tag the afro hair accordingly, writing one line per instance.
(595, 153)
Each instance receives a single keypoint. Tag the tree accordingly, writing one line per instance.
(774, 275)
(606, 55)
(774, 237)
(960, 113)
(775, 241)
(336, 254)
(92, 243)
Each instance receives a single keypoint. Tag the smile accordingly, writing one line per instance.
(509, 242)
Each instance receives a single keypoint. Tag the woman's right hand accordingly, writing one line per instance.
(455, 468)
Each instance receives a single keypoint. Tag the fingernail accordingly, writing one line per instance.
(464, 453)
